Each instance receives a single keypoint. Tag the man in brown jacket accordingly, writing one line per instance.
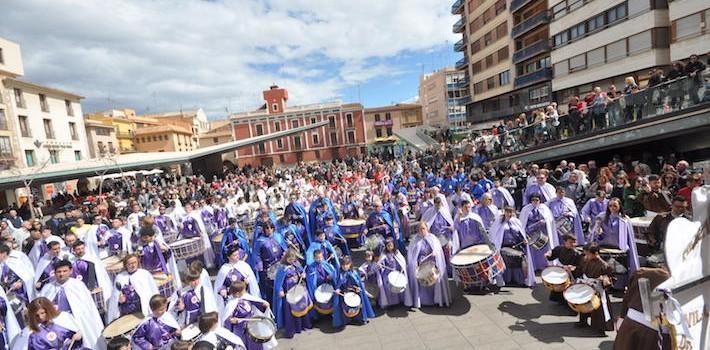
(653, 198)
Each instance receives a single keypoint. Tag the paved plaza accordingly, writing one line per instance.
(516, 318)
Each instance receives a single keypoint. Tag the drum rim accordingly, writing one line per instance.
(138, 317)
(263, 320)
(576, 286)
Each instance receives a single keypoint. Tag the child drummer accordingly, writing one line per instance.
(596, 270)
(349, 281)
(568, 257)
(158, 329)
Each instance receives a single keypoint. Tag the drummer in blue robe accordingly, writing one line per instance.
(390, 206)
(317, 273)
(158, 329)
(351, 207)
(476, 187)
(562, 206)
(448, 185)
(317, 207)
(243, 305)
(233, 236)
(334, 234)
(298, 216)
(291, 318)
(291, 234)
(265, 216)
(320, 243)
(469, 226)
(349, 281)
(380, 223)
(268, 249)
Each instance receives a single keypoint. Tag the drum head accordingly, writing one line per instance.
(218, 238)
(352, 299)
(294, 295)
(324, 293)
(190, 332)
(554, 275)
(470, 255)
(351, 222)
(511, 251)
(425, 269)
(611, 251)
(162, 279)
(122, 325)
(579, 293)
(397, 279)
(262, 329)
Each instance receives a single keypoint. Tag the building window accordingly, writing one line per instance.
(389, 131)
(561, 68)
(3, 120)
(388, 116)
(111, 149)
(349, 119)
(279, 143)
(378, 132)
(281, 158)
(155, 138)
(2, 58)
(30, 157)
(490, 83)
(577, 62)
(294, 124)
(277, 126)
(317, 154)
(351, 137)
(640, 42)
(275, 107)
(77, 155)
(297, 142)
(616, 50)
(72, 131)
(313, 120)
(259, 129)
(5, 146)
(100, 146)
(19, 98)
(48, 130)
(333, 138)
(687, 26)
(331, 121)
(595, 57)
(54, 156)
(314, 137)
(70, 110)
(540, 94)
(504, 78)
(43, 103)
(262, 148)
(377, 117)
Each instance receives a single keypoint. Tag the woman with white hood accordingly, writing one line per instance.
(424, 248)
(440, 223)
(537, 220)
(507, 233)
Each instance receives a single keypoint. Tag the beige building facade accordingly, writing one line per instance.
(443, 95)
(101, 138)
(220, 132)
(164, 138)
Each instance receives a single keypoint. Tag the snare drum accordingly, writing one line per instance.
(98, 296)
(428, 274)
(261, 330)
(582, 298)
(170, 235)
(640, 225)
(165, 284)
(190, 332)
(351, 304)
(299, 300)
(374, 242)
(397, 282)
(564, 225)
(187, 248)
(324, 299)
(122, 326)
(113, 265)
(352, 228)
(512, 257)
(477, 264)
(555, 278)
(272, 270)
(538, 239)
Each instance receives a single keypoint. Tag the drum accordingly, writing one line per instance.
(351, 304)
(616, 258)
(98, 296)
(555, 278)
(217, 243)
(113, 265)
(443, 239)
(372, 290)
(640, 225)
(512, 257)
(165, 284)
(373, 242)
(272, 270)
(299, 300)
(187, 248)
(352, 228)
(170, 236)
(122, 326)
(190, 332)
(564, 225)
(324, 299)
(261, 330)
(538, 239)
(582, 298)
(477, 264)
(397, 282)
(428, 274)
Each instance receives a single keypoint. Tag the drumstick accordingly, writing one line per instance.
(71, 345)
(427, 257)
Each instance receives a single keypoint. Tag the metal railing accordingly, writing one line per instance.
(534, 77)
(462, 63)
(460, 45)
(459, 25)
(529, 24)
(539, 46)
(617, 113)
(457, 7)
(516, 5)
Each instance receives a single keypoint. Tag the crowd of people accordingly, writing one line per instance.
(281, 246)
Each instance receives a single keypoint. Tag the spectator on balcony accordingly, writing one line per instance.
(553, 122)
(694, 70)
(540, 127)
(574, 115)
(675, 89)
(598, 109)
(613, 109)
(522, 124)
(630, 91)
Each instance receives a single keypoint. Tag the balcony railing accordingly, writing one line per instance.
(538, 47)
(463, 83)
(460, 45)
(459, 25)
(462, 63)
(534, 77)
(457, 7)
(464, 100)
(530, 24)
(516, 5)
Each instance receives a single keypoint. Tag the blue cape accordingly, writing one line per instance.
(366, 311)
(298, 210)
(255, 257)
(278, 308)
(237, 235)
(316, 245)
(311, 275)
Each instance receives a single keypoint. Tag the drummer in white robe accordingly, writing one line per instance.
(70, 295)
(44, 271)
(39, 249)
(440, 223)
(16, 273)
(10, 326)
(132, 290)
(193, 226)
(213, 333)
(80, 259)
(508, 232)
(234, 270)
(537, 218)
(423, 248)
(487, 210)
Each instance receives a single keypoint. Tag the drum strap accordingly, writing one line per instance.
(602, 294)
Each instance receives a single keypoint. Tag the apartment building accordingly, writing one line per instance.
(600, 42)
(196, 119)
(101, 137)
(690, 32)
(443, 95)
(164, 138)
(343, 136)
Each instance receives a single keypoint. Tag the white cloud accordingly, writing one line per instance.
(217, 54)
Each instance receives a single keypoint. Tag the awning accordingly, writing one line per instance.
(416, 137)
(388, 139)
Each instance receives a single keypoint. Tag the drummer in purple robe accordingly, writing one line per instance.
(235, 269)
(594, 207)
(268, 250)
(469, 226)
(391, 206)
(391, 260)
(319, 272)
(158, 329)
(154, 253)
(291, 318)
(564, 207)
(193, 300)
(233, 236)
(165, 222)
(292, 237)
(119, 238)
(241, 306)
(213, 333)
(487, 210)
(501, 196)
(349, 281)
(537, 219)
(51, 328)
(132, 290)
(545, 191)
(425, 247)
(508, 232)
(441, 224)
(221, 215)
(44, 271)
(612, 229)
(379, 222)
(16, 275)
(298, 215)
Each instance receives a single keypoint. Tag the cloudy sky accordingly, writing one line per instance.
(162, 55)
